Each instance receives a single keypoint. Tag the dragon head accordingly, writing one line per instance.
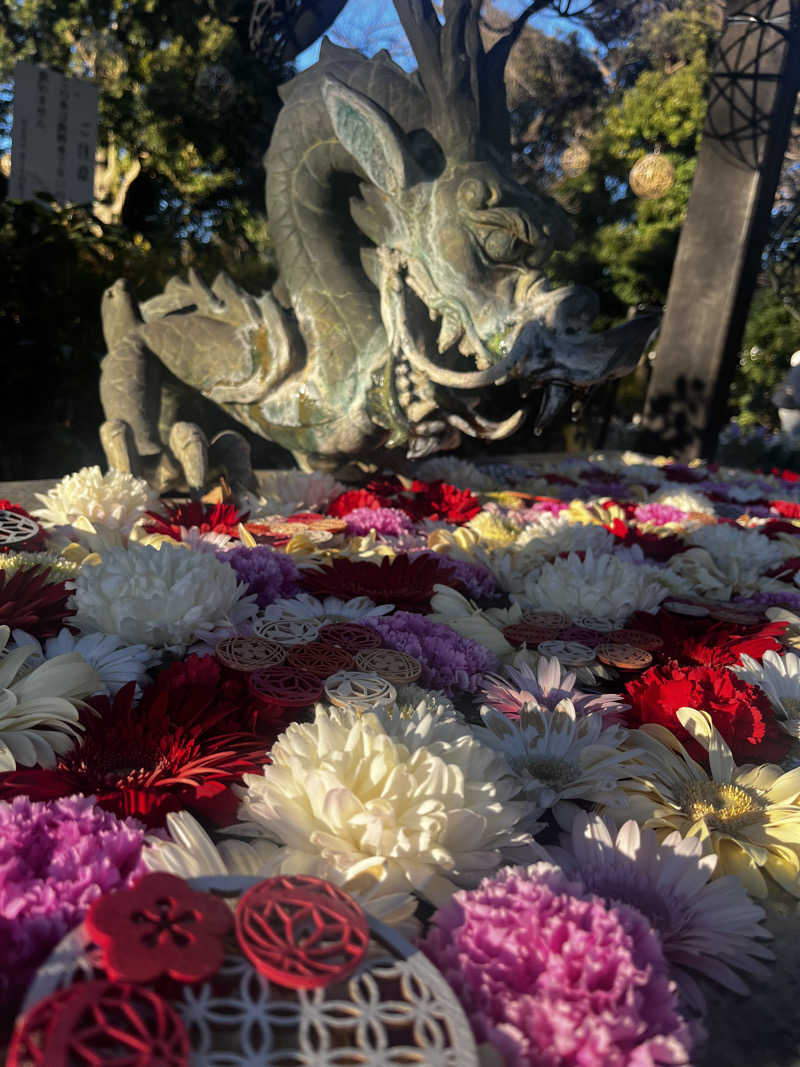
(458, 246)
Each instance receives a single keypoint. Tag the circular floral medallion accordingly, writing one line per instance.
(396, 667)
(287, 631)
(285, 687)
(546, 620)
(16, 529)
(624, 657)
(101, 1023)
(359, 690)
(301, 932)
(160, 927)
(249, 653)
(528, 633)
(351, 635)
(572, 653)
(640, 638)
(319, 658)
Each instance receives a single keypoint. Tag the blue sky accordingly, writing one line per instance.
(373, 24)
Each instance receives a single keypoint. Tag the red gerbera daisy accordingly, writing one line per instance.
(30, 602)
(439, 500)
(702, 642)
(207, 518)
(180, 748)
(740, 711)
(405, 582)
(33, 544)
(348, 501)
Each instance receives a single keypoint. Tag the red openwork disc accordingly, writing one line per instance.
(289, 687)
(351, 635)
(583, 635)
(736, 615)
(159, 927)
(249, 653)
(301, 932)
(625, 657)
(525, 633)
(640, 638)
(396, 667)
(312, 521)
(546, 620)
(320, 659)
(101, 1023)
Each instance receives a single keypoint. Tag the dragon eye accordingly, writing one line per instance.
(473, 194)
(501, 245)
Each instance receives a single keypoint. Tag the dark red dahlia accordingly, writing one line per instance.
(30, 602)
(741, 712)
(33, 544)
(405, 582)
(702, 642)
(180, 747)
(207, 518)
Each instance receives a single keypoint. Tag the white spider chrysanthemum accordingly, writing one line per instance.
(189, 852)
(602, 588)
(684, 499)
(329, 609)
(116, 663)
(38, 717)
(290, 491)
(166, 597)
(558, 756)
(706, 927)
(743, 556)
(111, 501)
(779, 677)
(748, 816)
(426, 811)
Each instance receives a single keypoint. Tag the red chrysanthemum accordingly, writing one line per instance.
(439, 500)
(788, 509)
(348, 501)
(31, 603)
(181, 747)
(207, 518)
(405, 582)
(33, 544)
(702, 642)
(740, 711)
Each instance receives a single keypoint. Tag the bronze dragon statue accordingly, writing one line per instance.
(410, 280)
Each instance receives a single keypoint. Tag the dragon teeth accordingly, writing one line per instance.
(450, 332)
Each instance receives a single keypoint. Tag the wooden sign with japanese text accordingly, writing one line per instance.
(53, 137)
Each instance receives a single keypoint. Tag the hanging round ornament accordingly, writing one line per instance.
(214, 88)
(652, 176)
(575, 160)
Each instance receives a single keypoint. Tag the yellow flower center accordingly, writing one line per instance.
(723, 806)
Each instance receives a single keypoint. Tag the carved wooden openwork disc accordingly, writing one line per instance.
(16, 529)
(572, 653)
(360, 690)
(249, 653)
(396, 667)
(319, 658)
(287, 631)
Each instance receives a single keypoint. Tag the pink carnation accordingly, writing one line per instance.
(390, 522)
(553, 976)
(56, 856)
(660, 514)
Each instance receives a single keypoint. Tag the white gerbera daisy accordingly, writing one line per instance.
(112, 501)
(748, 816)
(116, 663)
(558, 756)
(425, 811)
(551, 535)
(329, 609)
(605, 588)
(710, 928)
(166, 597)
(38, 717)
(779, 677)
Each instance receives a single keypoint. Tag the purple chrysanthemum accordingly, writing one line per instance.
(659, 514)
(551, 974)
(476, 581)
(388, 522)
(268, 574)
(56, 857)
(788, 599)
(449, 662)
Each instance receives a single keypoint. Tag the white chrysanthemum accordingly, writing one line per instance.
(559, 756)
(38, 717)
(116, 663)
(189, 852)
(111, 501)
(165, 597)
(329, 609)
(743, 556)
(779, 677)
(287, 492)
(426, 810)
(684, 499)
(551, 535)
(603, 588)
(630, 466)
(458, 472)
